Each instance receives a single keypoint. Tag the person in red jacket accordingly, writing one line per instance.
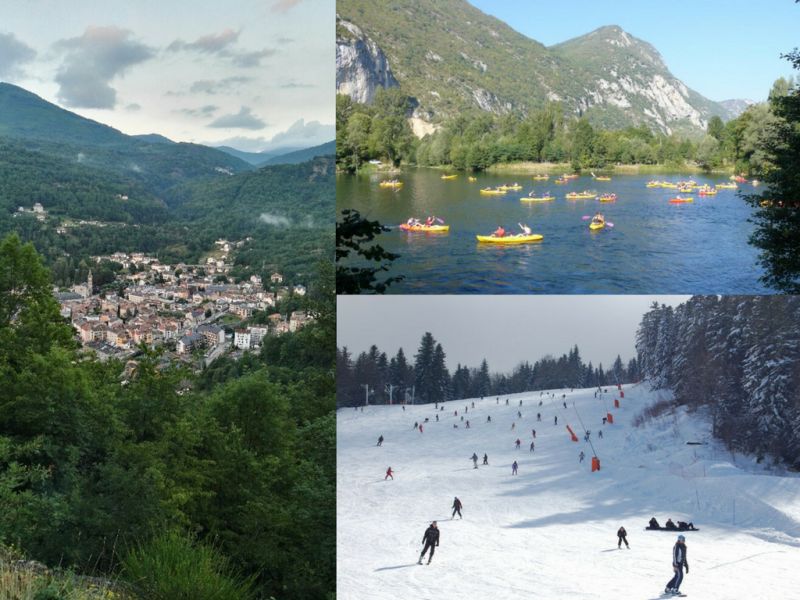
(389, 474)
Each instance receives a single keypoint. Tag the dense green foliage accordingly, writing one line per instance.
(90, 467)
(476, 140)
(777, 145)
(429, 380)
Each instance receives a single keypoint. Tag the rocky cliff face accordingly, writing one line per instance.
(361, 66)
(451, 57)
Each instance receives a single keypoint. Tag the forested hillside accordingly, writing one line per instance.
(740, 355)
(231, 472)
(425, 377)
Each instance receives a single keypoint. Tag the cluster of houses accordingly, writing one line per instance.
(175, 305)
(38, 211)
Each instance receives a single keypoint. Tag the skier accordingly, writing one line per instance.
(514, 468)
(532, 446)
(431, 540)
(605, 420)
(538, 416)
(517, 443)
(489, 418)
(555, 420)
(581, 456)
(380, 440)
(437, 417)
(506, 401)
(600, 434)
(512, 426)
(678, 564)
(455, 413)
(519, 414)
(485, 459)
(456, 508)
(474, 459)
(467, 424)
(533, 431)
(420, 427)
(389, 474)
(520, 402)
(473, 403)
(565, 405)
(622, 536)
(416, 424)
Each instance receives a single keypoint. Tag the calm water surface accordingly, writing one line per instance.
(654, 247)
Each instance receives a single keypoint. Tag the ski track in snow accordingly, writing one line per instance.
(550, 532)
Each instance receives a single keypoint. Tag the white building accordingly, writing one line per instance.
(242, 339)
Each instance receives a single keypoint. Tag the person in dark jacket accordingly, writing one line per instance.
(457, 508)
(670, 525)
(622, 536)
(485, 459)
(653, 524)
(380, 440)
(679, 563)
(431, 540)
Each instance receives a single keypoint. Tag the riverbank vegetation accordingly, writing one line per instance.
(481, 140)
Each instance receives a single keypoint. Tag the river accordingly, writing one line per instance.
(654, 247)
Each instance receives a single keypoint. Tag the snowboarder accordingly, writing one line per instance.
(431, 540)
(605, 420)
(455, 413)
(506, 401)
(532, 446)
(622, 536)
(474, 459)
(533, 431)
(517, 443)
(653, 524)
(678, 564)
(565, 405)
(380, 440)
(670, 525)
(555, 420)
(485, 459)
(467, 424)
(457, 508)
(514, 468)
(389, 474)
(581, 456)
(437, 418)
(520, 402)
(489, 418)
(519, 414)
(538, 416)
(416, 424)
(404, 408)
(473, 404)
(512, 426)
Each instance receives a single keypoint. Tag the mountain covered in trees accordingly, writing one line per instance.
(146, 193)
(450, 57)
(424, 378)
(737, 355)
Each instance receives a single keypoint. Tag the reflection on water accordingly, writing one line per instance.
(654, 246)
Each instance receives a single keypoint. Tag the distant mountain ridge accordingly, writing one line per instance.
(451, 57)
(152, 158)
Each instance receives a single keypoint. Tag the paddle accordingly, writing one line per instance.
(440, 220)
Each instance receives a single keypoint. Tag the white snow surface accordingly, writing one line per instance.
(550, 531)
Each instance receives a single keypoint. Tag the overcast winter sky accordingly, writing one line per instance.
(506, 330)
(252, 74)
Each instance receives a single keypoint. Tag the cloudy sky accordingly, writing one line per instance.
(252, 74)
(506, 330)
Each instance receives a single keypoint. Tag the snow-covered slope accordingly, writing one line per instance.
(550, 531)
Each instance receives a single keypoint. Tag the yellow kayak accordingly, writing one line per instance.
(509, 187)
(472, 178)
(539, 199)
(510, 239)
(449, 176)
(493, 192)
(602, 178)
(669, 186)
(581, 196)
(425, 228)
(653, 184)
(595, 225)
(541, 177)
(391, 184)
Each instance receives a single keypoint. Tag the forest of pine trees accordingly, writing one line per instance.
(738, 355)
(373, 375)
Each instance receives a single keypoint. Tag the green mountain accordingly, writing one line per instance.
(451, 57)
(53, 131)
(304, 155)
